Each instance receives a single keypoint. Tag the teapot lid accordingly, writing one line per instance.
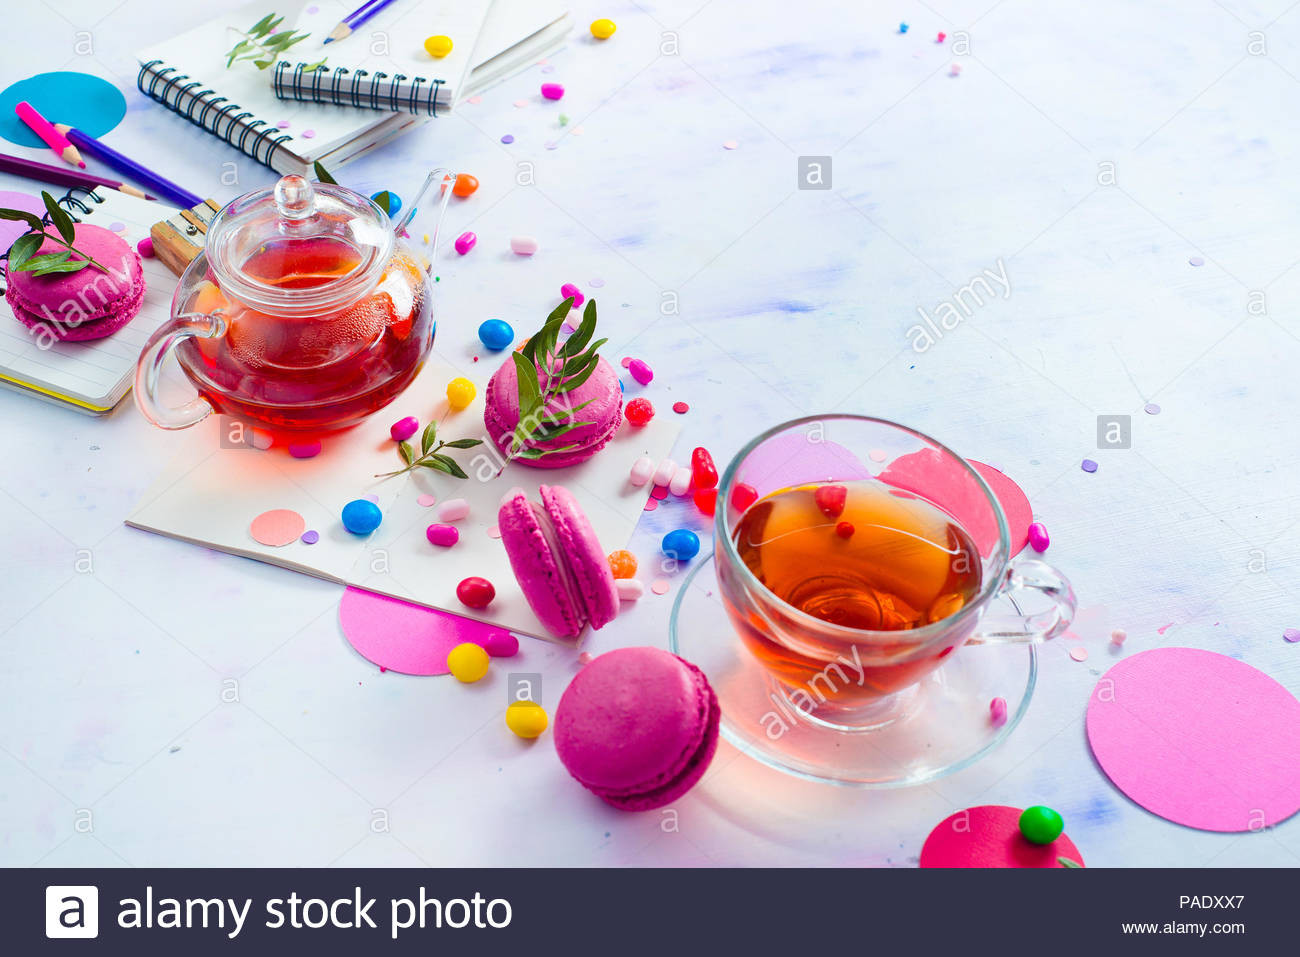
(299, 247)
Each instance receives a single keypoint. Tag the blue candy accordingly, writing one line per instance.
(681, 544)
(496, 334)
(394, 202)
(361, 516)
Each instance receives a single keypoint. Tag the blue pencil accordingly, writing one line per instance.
(354, 19)
(164, 188)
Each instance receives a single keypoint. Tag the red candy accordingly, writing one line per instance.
(703, 472)
(743, 496)
(476, 592)
(844, 529)
(639, 412)
(681, 408)
(831, 498)
(706, 500)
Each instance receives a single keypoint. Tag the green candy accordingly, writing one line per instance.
(1041, 825)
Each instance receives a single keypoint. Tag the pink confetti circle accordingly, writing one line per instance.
(282, 125)
(403, 637)
(660, 586)
(877, 455)
(989, 836)
(1291, 634)
(519, 103)
(730, 145)
(475, 99)
(596, 283)
(308, 134)
(310, 537)
(651, 504)
(1079, 653)
(1198, 738)
(278, 527)
(116, 227)
(681, 408)
(426, 500)
(494, 531)
(624, 362)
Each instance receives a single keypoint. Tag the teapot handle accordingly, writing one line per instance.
(149, 369)
(440, 176)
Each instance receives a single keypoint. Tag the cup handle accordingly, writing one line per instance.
(1035, 627)
(149, 369)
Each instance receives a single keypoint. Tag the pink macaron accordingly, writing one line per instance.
(637, 727)
(88, 304)
(558, 561)
(604, 412)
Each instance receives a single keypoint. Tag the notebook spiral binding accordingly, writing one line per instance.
(201, 106)
(358, 88)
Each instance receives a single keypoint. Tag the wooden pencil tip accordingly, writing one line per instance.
(338, 33)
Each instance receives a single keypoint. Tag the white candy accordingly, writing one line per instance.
(642, 469)
(665, 472)
(681, 482)
(453, 510)
(629, 589)
(524, 245)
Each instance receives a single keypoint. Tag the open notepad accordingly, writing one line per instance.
(213, 489)
(92, 376)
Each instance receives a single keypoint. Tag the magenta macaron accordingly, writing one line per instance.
(604, 412)
(557, 561)
(637, 727)
(88, 304)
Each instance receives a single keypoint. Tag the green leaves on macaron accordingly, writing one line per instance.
(544, 383)
(23, 253)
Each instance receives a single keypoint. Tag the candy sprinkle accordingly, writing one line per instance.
(651, 504)
(426, 500)
(1079, 653)
(310, 537)
(508, 139)
(1118, 636)
(730, 145)
(552, 91)
(1088, 465)
(681, 408)
(1196, 261)
(661, 586)
(1292, 635)
(1151, 409)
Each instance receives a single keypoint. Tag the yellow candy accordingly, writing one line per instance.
(460, 393)
(603, 29)
(467, 662)
(438, 46)
(526, 718)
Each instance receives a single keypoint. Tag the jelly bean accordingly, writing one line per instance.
(444, 536)
(496, 334)
(1038, 539)
(465, 242)
(706, 500)
(640, 371)
(524, 245)
(998, 712)
(664, 472)
(465, 185)
(703, 471)
(403, 429)
(831, 499)
(526, 718)
(845, 529)
(305, 450)
(453, 510)
(501, 644)
(629, 589)
(602, 29)
(475, 592)
(552, 91)
(361, 516)
(569, 289)
(639, 411)
(460, 393)
(680, 483)
(388, 201)
(622, 563)
(743, 496)
(681, 544)
(1041, 825)
(145, 248)
(438, 47)
(642, 469)
(467, 662)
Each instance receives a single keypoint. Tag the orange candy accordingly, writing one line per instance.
(465, 185)
(622, 563)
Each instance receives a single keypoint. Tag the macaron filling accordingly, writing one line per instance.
(567, 579)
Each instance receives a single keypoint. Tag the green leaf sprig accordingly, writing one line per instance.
(22, 254)
(431, 455)
(548, 371)
(264, 46)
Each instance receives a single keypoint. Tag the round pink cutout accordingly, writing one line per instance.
(277, 527)
(989, 836)
(1198, 738)
(407, 638)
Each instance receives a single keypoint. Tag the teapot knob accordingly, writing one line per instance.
(294, 197)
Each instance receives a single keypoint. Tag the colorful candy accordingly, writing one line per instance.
(998, 712)
(629, 589)
(524, 245)
(526, 718)
(640, 371)
(305, 450)
(460, 393)
(453, 510)
(361, 516)
(467, 662)
(681, 544)
(831, 499)
(145, 248)
(465, 242)
(444, 536)
(743, 496)
(465, 185)
(639, 411)
(1038, 539)
(622, 563)
(403, 429)
(664, 472)
(642, 469)
(552, 91)
(706, 500)
(569, 289)
(703, 472)
(1119, 636)
(680, 483)
(844, 529)
(1041, 825)
(501, 644)
(603, 29)
(388, 201)
(475, 592)
(496, 334)
(902, 28)
(438, 46)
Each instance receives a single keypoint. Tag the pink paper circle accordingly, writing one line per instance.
(1198, 738)
(989, 836)
(11, 229)
(277, 527)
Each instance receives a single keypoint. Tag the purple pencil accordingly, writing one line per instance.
(62, 175)
(129, 167)
(354, 19)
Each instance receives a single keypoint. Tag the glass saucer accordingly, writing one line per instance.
(936, 727)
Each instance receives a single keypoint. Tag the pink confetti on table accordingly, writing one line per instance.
(1163, 628)
(508, 139)
(426, 500)
(730, 145)
(277, 528)
(681, 408)
(596, 283)
(1292, 635)
(877, 455)
(651, 504)
(475, 100)
(282, 125)
(1196, 261)
(625, 361)
(1151, 409)
(494, 531)
(308, 134)
(661, 586)
(1079, 653)
(116, 227)
(371, 496)
(310, 537)
(548, 69)
(519, 103)
(660, 492)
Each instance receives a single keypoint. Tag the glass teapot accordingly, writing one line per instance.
(305, 312)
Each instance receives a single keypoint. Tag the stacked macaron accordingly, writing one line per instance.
(88, 304)
(637, 727)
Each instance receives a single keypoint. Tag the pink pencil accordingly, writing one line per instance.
(52, 137)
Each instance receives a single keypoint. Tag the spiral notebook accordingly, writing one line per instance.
(91, 376)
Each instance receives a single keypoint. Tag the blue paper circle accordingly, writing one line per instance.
(92, 105)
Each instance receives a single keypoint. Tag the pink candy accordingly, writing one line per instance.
(663, 474)
(629, 589)
(304, 450)
(640, 371)
(1038, 539)
(444, 536)
(552, 91)
(465, 242)
(569, 289)
(642, 469)
(145, 248)
(453, 510)
(998, 712)
(680, 483)
(501, 644)
(404, 428)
